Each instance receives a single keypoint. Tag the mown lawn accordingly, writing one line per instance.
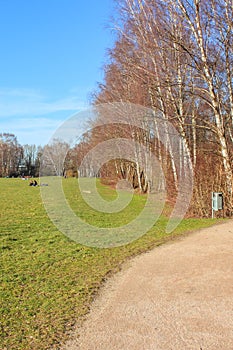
(49, 281)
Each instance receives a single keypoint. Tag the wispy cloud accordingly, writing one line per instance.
(29, 130)
(24, 102)
(32, 116)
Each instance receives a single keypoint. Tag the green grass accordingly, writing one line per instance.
(49, 281)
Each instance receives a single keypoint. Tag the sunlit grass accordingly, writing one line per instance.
(47, 280)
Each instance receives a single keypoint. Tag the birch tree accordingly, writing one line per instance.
(176, 57)
(212, 58)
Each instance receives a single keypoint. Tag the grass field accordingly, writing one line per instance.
(49, 281)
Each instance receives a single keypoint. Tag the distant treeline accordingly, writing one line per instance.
(15, 159)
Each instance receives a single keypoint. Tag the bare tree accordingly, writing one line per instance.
(176, 57)
(30, 156)
(10, 154)
(211, 24)
(53, 158)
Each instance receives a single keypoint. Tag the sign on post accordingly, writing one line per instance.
(217, 202)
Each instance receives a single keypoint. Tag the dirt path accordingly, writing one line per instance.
(178, 296)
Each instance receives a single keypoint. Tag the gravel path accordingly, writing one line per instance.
(178, 296)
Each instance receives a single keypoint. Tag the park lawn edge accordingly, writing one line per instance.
(27, 228)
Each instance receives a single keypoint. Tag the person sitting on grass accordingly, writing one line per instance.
(33, 183)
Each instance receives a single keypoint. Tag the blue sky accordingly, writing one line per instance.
(52, 54)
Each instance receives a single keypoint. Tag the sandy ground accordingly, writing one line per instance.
(178, 296)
